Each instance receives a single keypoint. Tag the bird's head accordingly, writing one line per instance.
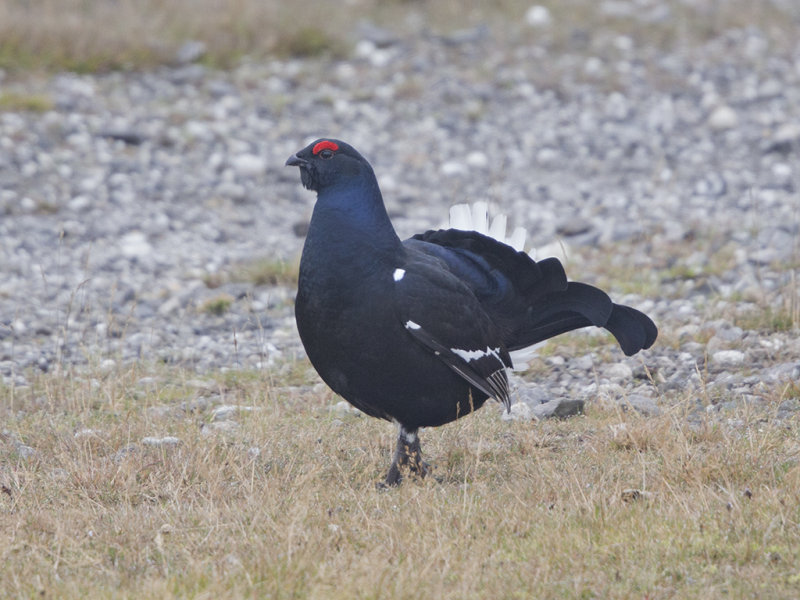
(328, 162)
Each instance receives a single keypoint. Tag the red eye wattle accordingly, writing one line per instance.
(325, 145)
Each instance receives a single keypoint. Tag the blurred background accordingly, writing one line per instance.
(98, 35)
(145, 210)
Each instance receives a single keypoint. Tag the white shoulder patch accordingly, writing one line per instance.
(399, 274)
(412, 325)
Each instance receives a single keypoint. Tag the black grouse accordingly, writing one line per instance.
(419, 331)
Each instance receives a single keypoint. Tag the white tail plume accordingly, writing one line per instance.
(476, 218)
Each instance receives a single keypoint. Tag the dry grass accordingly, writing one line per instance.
(261, 271)
(97, 35)
(519, 511)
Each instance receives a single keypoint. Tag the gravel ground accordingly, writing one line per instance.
(132, 209)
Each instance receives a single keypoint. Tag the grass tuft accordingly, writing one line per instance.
(269, 271)
(13, 101)
(308, 42)
(218, 305)
(768, 319)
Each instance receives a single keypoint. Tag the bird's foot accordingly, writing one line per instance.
(397, 471)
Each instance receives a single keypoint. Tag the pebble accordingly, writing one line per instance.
(538, 16)
(161, 441)
(728, 357)
(87, 433)
(125, 452)
(24, 452)
(229, 411)
(190, 51)
(478, 160)
(453, 168)
(643, 404)
(219, 427)
(520, 411)
(785, 136)
(561, 408)
(618, 371)
(344, 408)
(582, 363)
(135, 245)
(249, 165)
(723, 118)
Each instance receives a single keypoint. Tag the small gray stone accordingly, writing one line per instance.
(228, 411)
(561, 408)
(187, 74)
(583, 363)
(471, 35)
(190, 52)
(787, 132)
(531, 394)
(643, 404)
(24, 451)
(520, 411)
(124, 452)
(574, 226)
(378, 36)
(453, 168)
(477, 159)
(249, 165)
(135, 245)
(219, 427)
(730, 334)
(87, 433)
(168, 440)
(618, 371)
(199, 404)
(538, 16)
(723, 118)
(344, 408)
(160, 411)
(232, 190)
(633, 495)
(728, 357)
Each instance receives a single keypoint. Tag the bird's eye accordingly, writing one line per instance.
(326, 154)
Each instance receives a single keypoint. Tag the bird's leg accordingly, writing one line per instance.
(407, 454)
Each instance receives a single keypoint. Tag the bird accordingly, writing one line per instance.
(420, 331)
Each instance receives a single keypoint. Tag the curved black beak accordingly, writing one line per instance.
(295, 161)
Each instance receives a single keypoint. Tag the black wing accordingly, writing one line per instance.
(442, 313)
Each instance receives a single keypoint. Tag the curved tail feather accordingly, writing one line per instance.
(633, 329)
(582, 305)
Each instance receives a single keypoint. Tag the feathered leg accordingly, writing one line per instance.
(407, 454)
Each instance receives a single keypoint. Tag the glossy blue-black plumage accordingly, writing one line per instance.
(419, 331)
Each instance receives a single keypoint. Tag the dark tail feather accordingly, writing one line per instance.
(582, 305)
(634, 330)
(553, 277)
(556, 325)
